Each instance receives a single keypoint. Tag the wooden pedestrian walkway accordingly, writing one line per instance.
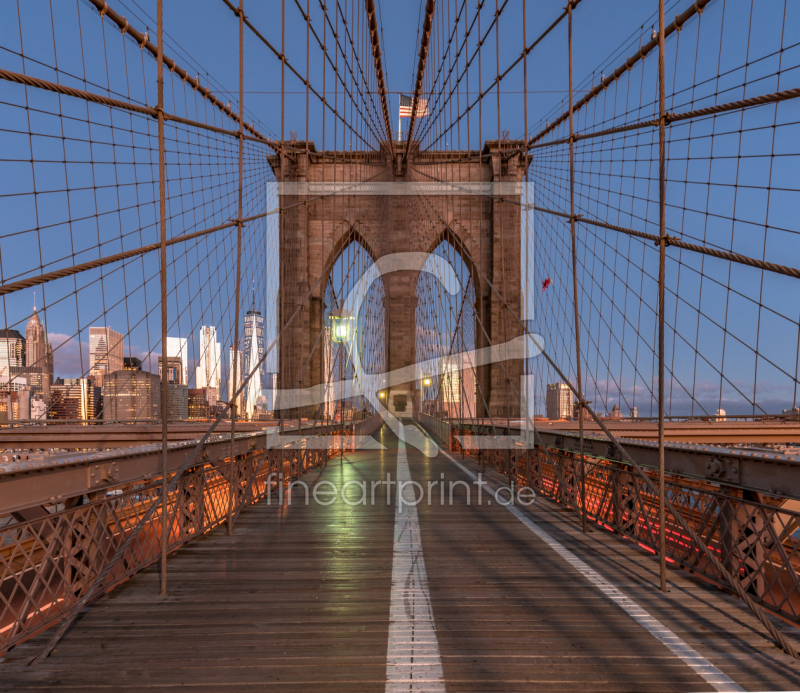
(360, 597)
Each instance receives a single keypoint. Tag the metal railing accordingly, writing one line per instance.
(47, 564)
(756, 536)
(441, 429)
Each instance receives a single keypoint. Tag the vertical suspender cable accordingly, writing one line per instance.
(162, 194)
(662, 259)
(308, 176)
(526, 212)
(282, 233)
(236, 365)
(480, 236)
(575, 272)
(501, 209)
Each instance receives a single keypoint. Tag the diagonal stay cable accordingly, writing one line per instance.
(302, 79)
(671, 240)
(423, 56)
(145, 43)
(680, 20)
(93, 264)
(501, 76)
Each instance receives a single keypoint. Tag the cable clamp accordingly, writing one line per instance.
(668, 241)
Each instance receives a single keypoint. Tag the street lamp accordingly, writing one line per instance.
(341, 326)
(426, 381)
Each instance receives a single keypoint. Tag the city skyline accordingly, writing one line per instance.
(34, 349)
(20, 356)
(29, 387)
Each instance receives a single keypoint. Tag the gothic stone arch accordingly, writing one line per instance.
(318, 220)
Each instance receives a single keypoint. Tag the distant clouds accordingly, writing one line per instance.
(71, 357)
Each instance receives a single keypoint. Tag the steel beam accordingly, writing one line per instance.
(42, 479)
(764, 472)
(51, 436)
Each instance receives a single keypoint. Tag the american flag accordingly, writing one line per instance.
(407, 102)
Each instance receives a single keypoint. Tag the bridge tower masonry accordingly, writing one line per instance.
(406, 207)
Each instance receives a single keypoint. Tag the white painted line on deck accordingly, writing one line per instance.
(679, 647)
(412, 656)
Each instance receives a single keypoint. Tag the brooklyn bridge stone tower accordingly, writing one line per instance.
(325, 205)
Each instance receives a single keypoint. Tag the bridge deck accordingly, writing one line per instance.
(308, 597)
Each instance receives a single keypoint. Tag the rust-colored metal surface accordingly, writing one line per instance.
(731, 432)
(51, 435)
(716, 432)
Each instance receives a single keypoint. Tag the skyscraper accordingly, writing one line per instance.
(197, 403)
(174, 370)
(254, 342)
(451, 384)
(105, 353)
(178, 347)
(458, 386)
(76, 398)
(132, 396)
(254, 386)
(233, 387)
(15, 405)
(38, 356)
(559, 401)
(272, 390)
(208, 374)
(12, 352)
(177, 401)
